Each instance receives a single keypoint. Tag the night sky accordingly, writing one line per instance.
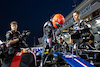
(31, 15)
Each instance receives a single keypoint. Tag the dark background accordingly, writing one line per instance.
(31, 15)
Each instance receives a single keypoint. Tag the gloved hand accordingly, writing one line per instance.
(21, 37)
(24, 34)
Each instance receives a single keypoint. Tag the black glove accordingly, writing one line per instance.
(24, 34)
(21, 37)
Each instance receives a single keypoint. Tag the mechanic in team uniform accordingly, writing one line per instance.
(80, 30)
(14, 39)
(50, 27)
(49, 30)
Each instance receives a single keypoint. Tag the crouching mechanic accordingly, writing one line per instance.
(50, 27)
(14, 39)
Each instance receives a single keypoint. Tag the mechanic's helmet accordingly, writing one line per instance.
(58, 20)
